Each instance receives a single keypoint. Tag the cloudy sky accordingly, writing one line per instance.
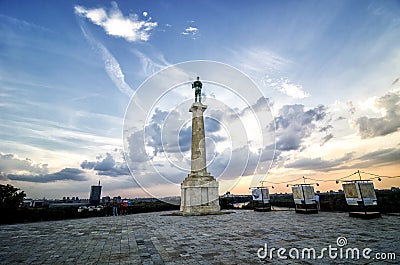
(327, 101)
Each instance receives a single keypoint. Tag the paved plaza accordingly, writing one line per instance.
(159, 238)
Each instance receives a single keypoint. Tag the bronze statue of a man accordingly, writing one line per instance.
(197, 85)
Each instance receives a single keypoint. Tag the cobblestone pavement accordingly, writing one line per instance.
(156, 238)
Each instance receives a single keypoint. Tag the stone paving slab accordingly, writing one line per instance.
(157, 238)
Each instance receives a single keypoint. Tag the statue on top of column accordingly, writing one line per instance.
(197, 85)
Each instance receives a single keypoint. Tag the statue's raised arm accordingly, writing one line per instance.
(197, 85)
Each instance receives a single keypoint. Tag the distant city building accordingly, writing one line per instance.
(95, 193)
(27, 203)
(70, 199)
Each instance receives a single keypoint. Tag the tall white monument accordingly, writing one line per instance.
(199, 191)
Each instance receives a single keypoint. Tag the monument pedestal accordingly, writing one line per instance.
(199, 195)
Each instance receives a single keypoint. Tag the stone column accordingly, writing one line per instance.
(198, 165)
(199, 191)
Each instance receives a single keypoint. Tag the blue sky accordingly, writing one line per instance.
(329, 70)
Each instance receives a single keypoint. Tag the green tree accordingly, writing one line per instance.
(10, 197)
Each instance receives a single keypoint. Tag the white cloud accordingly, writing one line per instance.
(285, 86)
(114, 70)
(257, 61)
(294, 91)
(149, 65)
(60, 143)
(22, 24)
(294, 124)
(66, 174)
(192, 31)
(107, 166)
(389, 122)
(145, 13)
(320, 164)
(111, 65)
(131, 28)
(11, 163)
